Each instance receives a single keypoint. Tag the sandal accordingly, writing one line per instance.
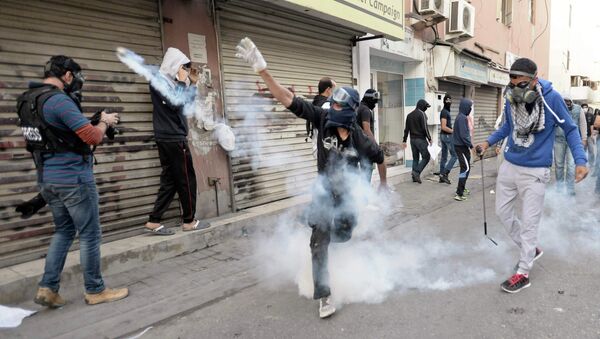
(160, 230)
(198, 225)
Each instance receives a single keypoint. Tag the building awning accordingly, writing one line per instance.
(459, 65)
(385, 17)
(497, 75)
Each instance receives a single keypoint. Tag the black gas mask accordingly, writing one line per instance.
(371, 99)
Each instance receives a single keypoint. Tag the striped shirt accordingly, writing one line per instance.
(65, 167)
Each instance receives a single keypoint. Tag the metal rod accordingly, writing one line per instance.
(483, 196)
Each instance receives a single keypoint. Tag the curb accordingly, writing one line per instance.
(18, 283)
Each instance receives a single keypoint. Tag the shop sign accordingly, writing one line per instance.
(372, 16)
(471, 69)
(498, 77)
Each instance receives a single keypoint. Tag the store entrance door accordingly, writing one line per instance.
(390, 116)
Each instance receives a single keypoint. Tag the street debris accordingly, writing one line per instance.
(11, 317)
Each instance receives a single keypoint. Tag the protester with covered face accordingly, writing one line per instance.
(416, 126)
(461, 139)
(446, 141)
(66, 181)
(170, 133)
(532, 110)
(325, 86)
(366, 120)
(563, 159)
(341, 146)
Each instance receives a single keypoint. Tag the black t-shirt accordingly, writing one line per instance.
(365, 147)
(445, 114)
(365, 114)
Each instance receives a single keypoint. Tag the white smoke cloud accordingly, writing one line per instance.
(194, 105)
(569, 227)
(376, 261)
(179, 96)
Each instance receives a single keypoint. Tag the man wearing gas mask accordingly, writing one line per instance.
(366, 120)
(532, 110)
(341, 146)
(59, 137)
(170, 133)
(563, 159)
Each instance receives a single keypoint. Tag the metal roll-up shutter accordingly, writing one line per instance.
(128, 169)
(457, 92)
(274, 161)
(486, 112)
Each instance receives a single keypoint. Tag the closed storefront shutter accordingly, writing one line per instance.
(128, 169)
(273, 160)
(457, 92)
(486, 112)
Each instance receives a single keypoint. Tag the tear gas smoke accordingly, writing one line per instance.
(225, 136)
(177, 95)
(569, 226)
(376, 261)
(194, 105)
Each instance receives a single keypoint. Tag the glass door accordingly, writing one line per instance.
(390, 116)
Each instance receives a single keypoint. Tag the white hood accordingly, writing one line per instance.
(173, 59)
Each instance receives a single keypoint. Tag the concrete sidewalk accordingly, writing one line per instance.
(18, 283)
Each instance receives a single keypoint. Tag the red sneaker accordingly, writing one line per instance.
(515, 283)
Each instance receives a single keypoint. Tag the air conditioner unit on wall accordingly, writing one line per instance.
(461, 24)
(433, 8)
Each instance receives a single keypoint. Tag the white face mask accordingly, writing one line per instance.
(186, 80)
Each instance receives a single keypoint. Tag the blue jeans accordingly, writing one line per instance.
(447, 146)
(564, 160)
(75, 210)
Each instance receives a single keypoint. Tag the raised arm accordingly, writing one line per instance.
(247, 51)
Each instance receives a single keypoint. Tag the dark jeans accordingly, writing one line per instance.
(464, 159)
(177, 176)
(332, 219)
(75, 210)
(447, 146)
(419, 149)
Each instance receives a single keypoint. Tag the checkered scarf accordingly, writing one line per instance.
(525, 122)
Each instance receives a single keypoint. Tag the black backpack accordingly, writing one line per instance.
(39, 136)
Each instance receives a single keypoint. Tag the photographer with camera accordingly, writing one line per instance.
(59, 137)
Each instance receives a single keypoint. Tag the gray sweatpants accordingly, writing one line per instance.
(528, 185)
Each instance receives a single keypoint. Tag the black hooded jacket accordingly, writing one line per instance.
(167, 119)
(416, 123)
(363, 145)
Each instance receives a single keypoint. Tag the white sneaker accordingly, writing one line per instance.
(325, 308)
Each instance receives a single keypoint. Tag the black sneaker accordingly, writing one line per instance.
(444, 179)
(515, 283)
(418, 179)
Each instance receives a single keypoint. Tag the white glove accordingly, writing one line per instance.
(247, 51)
